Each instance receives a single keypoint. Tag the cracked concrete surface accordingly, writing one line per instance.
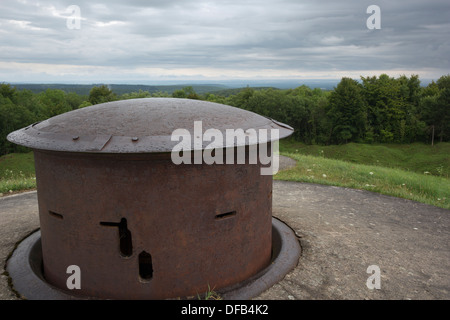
(344, 231)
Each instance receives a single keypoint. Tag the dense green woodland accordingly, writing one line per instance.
(374, 110)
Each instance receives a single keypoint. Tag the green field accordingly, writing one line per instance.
(416, 171)
(17, 163)
(17, 172)
(415, 157)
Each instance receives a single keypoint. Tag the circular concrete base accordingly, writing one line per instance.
(25, 269)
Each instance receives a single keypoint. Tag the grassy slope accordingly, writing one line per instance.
(17, 172)
(396, 170)
(394, 182)
(17, 162)
(416, 157)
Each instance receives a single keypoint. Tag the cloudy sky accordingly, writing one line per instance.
(143, 41)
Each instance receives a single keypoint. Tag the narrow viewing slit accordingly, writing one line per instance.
(145, 266)
(225, 215)
(125, 242)
(56, 215)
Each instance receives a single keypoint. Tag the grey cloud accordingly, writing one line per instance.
(254, 35)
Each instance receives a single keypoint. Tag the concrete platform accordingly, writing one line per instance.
(342, 232)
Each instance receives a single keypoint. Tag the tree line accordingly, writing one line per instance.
(375, 109)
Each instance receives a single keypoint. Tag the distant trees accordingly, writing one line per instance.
(302, 108)
(392, 108)
(443, 108)
(101, 94)
(372, 110)
(347, 112)
(187, 92)
(20, 108)
(53, 102)
(12, 116)
(136, 95)
(435, 108)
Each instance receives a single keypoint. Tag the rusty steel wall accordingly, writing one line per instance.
(141, 227)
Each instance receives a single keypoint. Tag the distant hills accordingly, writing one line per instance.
(225, 88)
(119, 89)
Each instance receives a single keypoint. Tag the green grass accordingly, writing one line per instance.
(17, 172)
(425, 188)
(415, 157)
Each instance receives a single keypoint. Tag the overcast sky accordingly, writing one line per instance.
(142, 41)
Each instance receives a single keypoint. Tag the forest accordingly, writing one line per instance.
(377, 109)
